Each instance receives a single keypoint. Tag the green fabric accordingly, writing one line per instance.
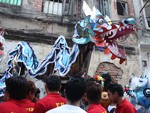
(12, 2)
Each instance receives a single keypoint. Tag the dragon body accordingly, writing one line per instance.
(23, 55)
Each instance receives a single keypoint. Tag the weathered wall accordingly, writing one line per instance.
(113, 6)
(33, 26)
(131, 66)
(33, 4)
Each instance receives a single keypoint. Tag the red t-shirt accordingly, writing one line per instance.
(28, 105)
(51, 101)
(96, 108)
(125, 107)
(12, 106)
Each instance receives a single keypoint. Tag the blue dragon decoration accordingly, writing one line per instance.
(61, 55)
(139, 91)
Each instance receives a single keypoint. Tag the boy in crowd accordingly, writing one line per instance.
(115, 93)
(15, 93)
(93, 95)
(75, 90)
(53, 98)
(28, 104)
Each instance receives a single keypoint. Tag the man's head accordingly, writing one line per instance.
(93, 92)
(115, 92)
(107, 80)
(53, 83)
(17, 87)
(37, 95)
(31, 90)
(75, 89)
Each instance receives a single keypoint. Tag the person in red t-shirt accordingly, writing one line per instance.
(93, 95)
(116, 92)
(28, 104)
(53, 98)
(15, 93)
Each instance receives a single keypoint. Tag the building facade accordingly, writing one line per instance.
(40, 22)
(142, 15)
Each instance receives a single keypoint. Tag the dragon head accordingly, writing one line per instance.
(104, 34)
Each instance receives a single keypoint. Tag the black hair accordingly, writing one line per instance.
(17, 87)
(53, 83)
(116, 88)
(31, 87)
(75, 88)
(107, 78)
(37, 91)
(93, 92)
(90, 79)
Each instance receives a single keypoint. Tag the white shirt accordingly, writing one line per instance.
(110, 107)
(67, 109)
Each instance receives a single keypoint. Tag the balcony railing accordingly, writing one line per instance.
(63, 7)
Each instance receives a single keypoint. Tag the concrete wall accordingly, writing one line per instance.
(33, 4)
(31, 26)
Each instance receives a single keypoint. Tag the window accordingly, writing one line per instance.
(104, 7)
(57, 7)
(12, 2)
(146, 13)
(63, 7)
(122, 8)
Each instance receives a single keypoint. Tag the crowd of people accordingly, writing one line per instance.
(81, 96)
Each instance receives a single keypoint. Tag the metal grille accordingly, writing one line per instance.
(63, 7)
(12, 2)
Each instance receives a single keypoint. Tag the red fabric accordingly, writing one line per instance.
(51, 101)
(96, 108)
(12, 106)
(28, 105)
(125, 107)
